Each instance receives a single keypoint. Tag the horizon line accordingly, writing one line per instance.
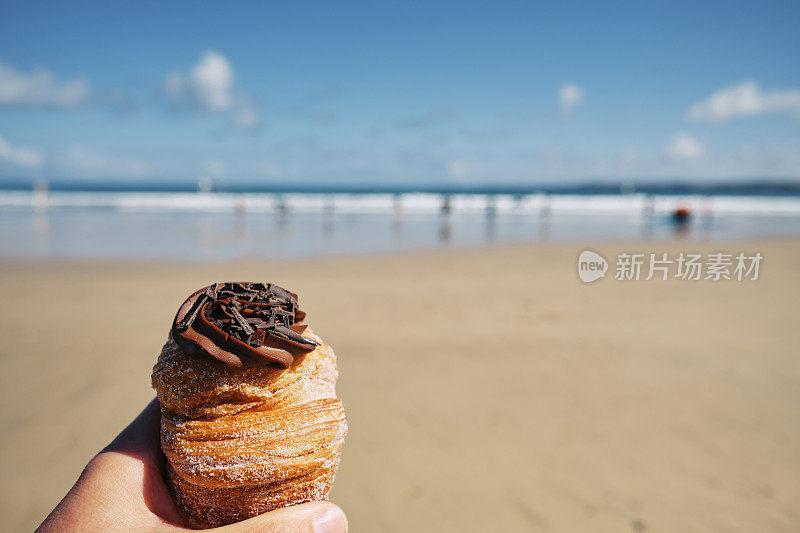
(738, 186)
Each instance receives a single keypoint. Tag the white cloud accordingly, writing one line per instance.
(80, 161)
(745, 99)
(210, 86)
(39, 88)
(20, 156)
(212, 81)
(570, 96)
(628, 155)
(306, 158)
(214, 167)
(458, 169)
(684, 147)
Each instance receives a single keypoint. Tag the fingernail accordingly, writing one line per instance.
(330, 520)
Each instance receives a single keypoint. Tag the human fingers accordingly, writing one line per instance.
(314, 517)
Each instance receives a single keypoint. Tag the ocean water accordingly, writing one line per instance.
(209, 226)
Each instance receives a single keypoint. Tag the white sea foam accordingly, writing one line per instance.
(202, 226)
(535, 204)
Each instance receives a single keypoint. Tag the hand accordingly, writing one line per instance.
(122, 489)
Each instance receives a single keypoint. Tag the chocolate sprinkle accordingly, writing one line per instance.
(243, 324)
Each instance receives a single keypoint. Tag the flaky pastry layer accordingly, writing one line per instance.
(240, 442)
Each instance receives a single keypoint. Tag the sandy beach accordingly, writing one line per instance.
(487, 389)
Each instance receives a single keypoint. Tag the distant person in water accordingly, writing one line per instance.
(680, 219)
(681, 216)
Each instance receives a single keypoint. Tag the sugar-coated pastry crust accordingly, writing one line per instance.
(243, 441)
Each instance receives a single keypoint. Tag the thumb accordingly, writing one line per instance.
(314, 517)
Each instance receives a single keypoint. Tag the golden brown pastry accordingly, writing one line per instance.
(246, 429)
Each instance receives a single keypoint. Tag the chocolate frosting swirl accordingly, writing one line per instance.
(243, 324)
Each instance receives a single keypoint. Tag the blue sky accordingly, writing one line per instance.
(421, 92)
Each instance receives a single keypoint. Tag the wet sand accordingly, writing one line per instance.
(487, 389)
